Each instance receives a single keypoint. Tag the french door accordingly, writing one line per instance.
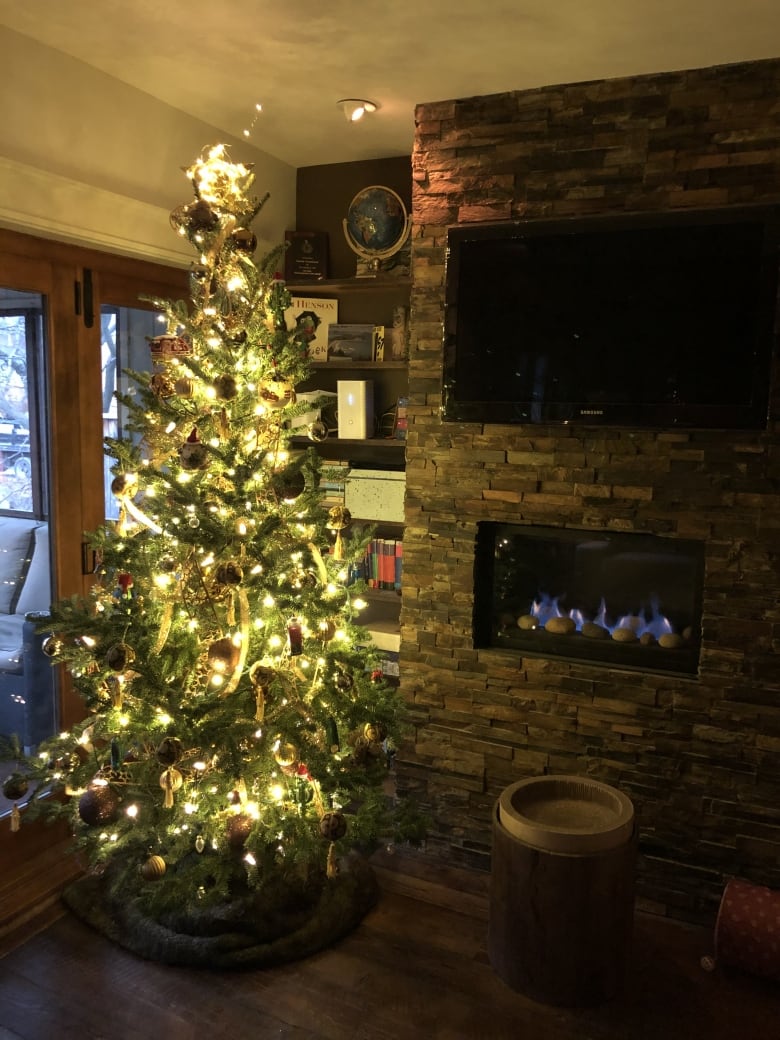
(56, 302)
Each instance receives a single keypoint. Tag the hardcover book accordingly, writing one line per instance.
(353, 342)
(314, 316)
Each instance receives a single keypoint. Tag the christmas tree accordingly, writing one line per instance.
(238, 728)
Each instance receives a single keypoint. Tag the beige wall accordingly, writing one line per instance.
(85, 158)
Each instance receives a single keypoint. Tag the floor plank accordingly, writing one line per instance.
(416, 967)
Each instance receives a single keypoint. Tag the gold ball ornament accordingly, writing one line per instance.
(317, 432)
(171, 779)
(277, 394)
(153, 869)
(290, 484)
(339, 518)
(52, 645)
(333, 826)
(286, 755)
(184, 387)
(326, 630)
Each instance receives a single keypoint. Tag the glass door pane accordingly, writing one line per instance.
(28, 700)
(125, 335)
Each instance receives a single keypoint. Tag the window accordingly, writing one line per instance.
(125, 335)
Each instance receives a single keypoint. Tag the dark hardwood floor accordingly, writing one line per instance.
(416, 967)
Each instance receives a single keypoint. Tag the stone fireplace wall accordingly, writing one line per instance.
(699, 757)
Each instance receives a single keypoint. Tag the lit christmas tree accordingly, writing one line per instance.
(239, 729)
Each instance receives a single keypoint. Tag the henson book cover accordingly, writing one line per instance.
(314, 316)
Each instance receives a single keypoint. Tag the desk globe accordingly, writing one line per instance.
(376, 227)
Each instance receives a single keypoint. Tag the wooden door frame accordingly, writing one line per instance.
(59, 272)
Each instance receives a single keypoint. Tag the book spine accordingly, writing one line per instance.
(399, 562)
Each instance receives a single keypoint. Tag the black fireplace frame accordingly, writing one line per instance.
(491, 630)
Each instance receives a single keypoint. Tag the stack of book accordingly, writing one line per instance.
(383, 563)
(332, 483)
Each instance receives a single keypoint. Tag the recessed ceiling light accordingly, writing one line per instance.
(355, 108)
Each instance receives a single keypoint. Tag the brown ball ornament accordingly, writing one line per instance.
(124, 484)
(343, 682)
(333, 826)
(15, 786)
(290, 485)
(162, 386)
(99, 804)
(154, 868)
(229, 573)
(261, 676)
(226, 387)
(169, 751)
(238, 829)
(375, 732)
(199, 216)
(223, 654)
(244, 240)
(119, 657)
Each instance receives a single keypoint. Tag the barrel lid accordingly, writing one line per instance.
(573, 814)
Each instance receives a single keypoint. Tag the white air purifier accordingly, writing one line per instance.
(355, 408)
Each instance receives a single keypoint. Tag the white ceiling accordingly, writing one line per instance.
(214, 59)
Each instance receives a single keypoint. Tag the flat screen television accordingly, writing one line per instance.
(663, 320)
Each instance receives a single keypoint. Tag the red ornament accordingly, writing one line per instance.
(125, 582)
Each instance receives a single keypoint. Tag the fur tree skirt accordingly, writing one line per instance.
(258, 930)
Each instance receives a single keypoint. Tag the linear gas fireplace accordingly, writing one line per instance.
(631, 600)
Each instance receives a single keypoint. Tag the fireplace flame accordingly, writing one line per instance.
(656, 624)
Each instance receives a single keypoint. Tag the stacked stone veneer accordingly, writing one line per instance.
(699, 757)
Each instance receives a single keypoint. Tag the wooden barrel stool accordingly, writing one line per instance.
(562, 889)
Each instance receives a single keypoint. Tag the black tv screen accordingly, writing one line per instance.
(648, 321)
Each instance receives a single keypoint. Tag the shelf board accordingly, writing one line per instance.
(371, 443)
(349, 363)
(350, 285)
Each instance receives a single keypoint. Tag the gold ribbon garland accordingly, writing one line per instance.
(243, 605)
